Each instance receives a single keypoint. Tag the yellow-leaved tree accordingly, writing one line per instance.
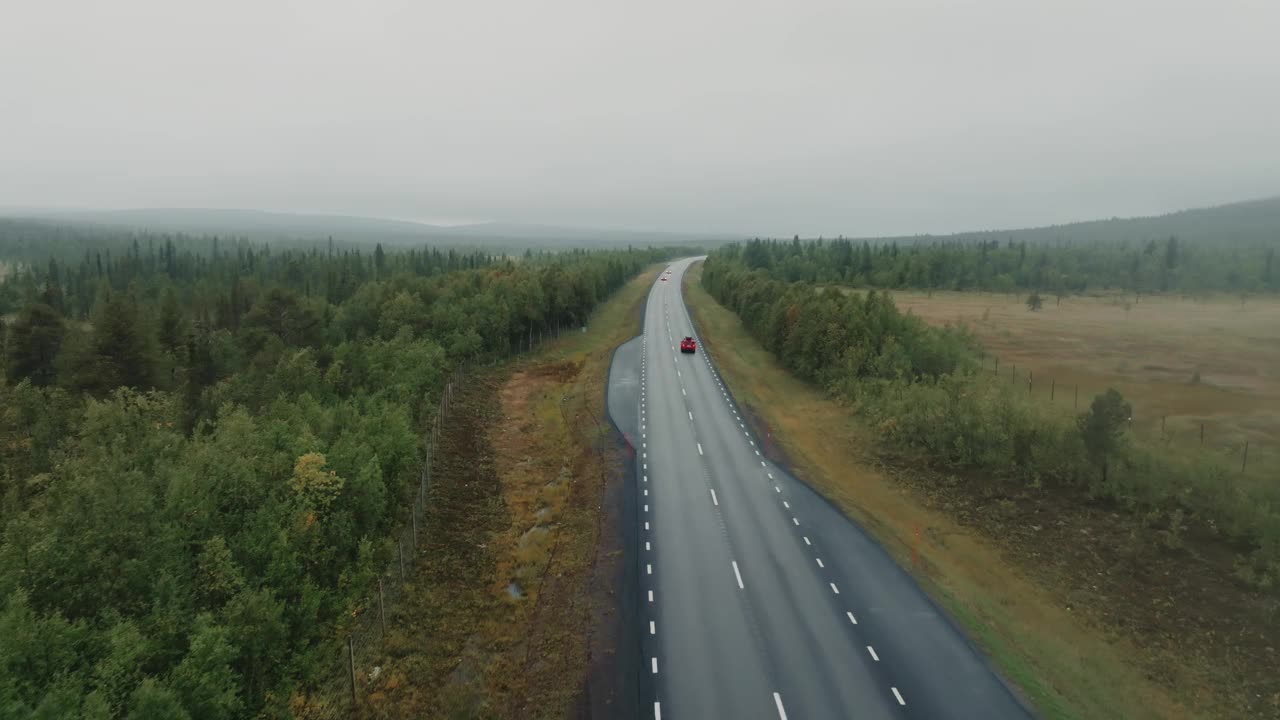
(315, 486)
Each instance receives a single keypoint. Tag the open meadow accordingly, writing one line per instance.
(1181, 362)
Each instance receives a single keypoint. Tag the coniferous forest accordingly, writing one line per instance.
(1228, 249)
(204, 445)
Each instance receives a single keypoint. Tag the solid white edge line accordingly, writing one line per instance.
(713, 498)
(777, 700)
(899, 696)
(738, 575)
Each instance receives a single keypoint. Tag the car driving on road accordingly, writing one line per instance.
(688, 345)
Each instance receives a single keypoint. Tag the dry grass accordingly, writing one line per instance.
(1150, 349)
(527, 518)
(1062, 659)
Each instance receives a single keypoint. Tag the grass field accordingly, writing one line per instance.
(501, 621)
(1181, 363)
(1053, 646)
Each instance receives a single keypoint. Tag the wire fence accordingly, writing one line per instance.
(1185, 433)
(351, 671)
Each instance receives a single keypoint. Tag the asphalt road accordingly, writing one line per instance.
(758, 598)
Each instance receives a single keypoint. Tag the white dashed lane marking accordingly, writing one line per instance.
(852, 619)
(898, 695)
(777, 700)
(874, 656)
(738, 575)
(714, 501)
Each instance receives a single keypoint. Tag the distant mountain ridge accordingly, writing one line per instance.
(266, 225)
(1249, 220)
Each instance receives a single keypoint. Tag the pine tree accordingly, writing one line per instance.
(34, 342)
(170, 331)
(121, 356)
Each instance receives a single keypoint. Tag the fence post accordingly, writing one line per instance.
(382, 610)
(1077, 400)
(351, 655)
(1245, 462)
(1030, 378)
(1053, 386)
(400, 554)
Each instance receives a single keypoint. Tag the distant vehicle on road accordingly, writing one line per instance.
(688, 345)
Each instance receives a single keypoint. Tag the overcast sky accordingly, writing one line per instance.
(745, 116)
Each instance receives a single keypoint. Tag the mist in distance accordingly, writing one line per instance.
(740, 118)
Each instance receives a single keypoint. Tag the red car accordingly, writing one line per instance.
(688, 345)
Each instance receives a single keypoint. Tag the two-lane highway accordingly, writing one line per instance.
(758, 599)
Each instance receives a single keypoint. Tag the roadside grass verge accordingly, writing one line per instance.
(505, 619)
(1064, 662)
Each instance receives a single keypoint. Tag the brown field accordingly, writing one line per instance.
(1150, 350)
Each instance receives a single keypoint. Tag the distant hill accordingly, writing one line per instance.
(1243, 222)
(262, 225)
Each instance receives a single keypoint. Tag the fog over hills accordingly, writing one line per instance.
(1249, 220)
(266, 225)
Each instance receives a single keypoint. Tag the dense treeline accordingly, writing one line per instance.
(202, 455)
(1071, 259)
(918, 386)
